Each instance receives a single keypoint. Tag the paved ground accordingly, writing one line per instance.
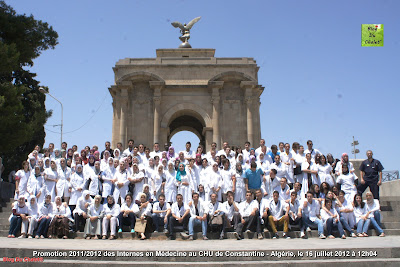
(228, 244)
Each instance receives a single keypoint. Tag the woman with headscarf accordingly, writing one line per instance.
(121, 183)
(108, 178)
(75, 160)
(96, 155)
(32, 163)
(184, 183)
(50, 178)
(240, 193)
(158, 182)
(344, 161)
(45, 216)
(111, 212)
(136, 178)
(41, 165)
(263, 164)
(33, 216)
(36, 186)
(64, 178)
(76, 186)
(193, 171)
(89, 167)
(347, 180)
(104, 162)
(117, 154)
(144, 214)
(46, 163)
(95, 215)
(57, 156)
(21, 181)
(171, 153)
(62, 216)
(216, 181)
(127, 213)
(170, 183)
(80, 211)
(19, 215)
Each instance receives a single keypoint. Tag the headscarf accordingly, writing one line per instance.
(198, 155)
(342, 159)
(45, 160)
(119, 153)
(108, 204)
(34, 173)
(239, 164)
(59, 154)
(97, 197)
(45, 203)
(53, 160)
(33, 207)
(179, 173)
(169, 155)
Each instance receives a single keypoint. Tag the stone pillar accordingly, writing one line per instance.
(124, 109)
(248, 98)
(215, 100)
(208, 134)
(157, 87)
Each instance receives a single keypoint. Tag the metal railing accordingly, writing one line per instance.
(390, 176)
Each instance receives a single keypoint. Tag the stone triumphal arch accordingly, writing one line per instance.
(218, 99)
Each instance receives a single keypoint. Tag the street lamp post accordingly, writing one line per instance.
(44, 91)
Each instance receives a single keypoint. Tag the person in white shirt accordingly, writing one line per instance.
(331, 220)
(228, 176)
(295, 210)
(127, 213)
(311, 216)
(161, 213)
(214, 209)
(80, 211)
(129, 150)
(137, 178)
(36, 186)
(278, 215)
(240, 186)
(311, 150)
(373, 213)
(215, 183)
(180, 214)
(94, 216)
(111, 212)
(144, 213)
(261, 148)
(198, 215)
(246, 151)
(360, 212)
(283, 189)
(262, 212)
(344, 161)
(76, 185)
(280, 168)
(325, 171)
(310, 174)
(19, 216)
(286, 157)
(45, 216)
(268, 184)
(248, 211)
(263, 164)
(21, 181)
(231, 211)
(170, 183)
(64, 178)
(346, 214)
(188, 153)
(61, 217)
(156, 151)
(347, 180)
(297, 190)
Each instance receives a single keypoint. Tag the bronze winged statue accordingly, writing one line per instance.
(185, 31)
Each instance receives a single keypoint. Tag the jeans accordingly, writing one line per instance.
(158, 220)
(194, 221)
(332, 224)
(376, 221)
(43, 226)
(309, 223)
(15, 225)
(174, 222)
(363, 225)
(345, 225)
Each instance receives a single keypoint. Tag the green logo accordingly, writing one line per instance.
(371, 34)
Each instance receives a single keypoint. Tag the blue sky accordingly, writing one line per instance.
(320, 84)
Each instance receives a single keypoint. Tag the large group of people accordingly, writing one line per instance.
(239, 190)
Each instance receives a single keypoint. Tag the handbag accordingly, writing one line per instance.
(140, 226)
(297, 170)
(216, 220)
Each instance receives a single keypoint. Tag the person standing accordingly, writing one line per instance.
(370, 175)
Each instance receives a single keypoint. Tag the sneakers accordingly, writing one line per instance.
(266, 230)
(42, 237)
(260, 236)
(302, 235)
(237, 236)
(308, 229)
(285, 235)
(321, 236)
(21, 236)
(343, 236)
(184, 235)
(204, 237)
(37, 237)
(247, 231)
(165, 231)
(30, 236)
(132, 231)
(119, 230)
(276, 236)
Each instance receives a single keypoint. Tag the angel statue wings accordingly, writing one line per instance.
(185, 31)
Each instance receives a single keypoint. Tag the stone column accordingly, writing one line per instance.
(215, 100)
(124, 109)
(248, 98)
(208, 134)
(157, 87)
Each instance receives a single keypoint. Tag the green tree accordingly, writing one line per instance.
(22, 110)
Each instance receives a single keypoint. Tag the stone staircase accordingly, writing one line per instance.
(390, 210)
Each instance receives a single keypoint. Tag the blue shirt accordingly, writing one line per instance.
(254, 178)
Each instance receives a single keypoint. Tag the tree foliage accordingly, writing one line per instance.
(22, 110)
